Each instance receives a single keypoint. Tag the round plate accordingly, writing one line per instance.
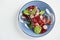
(42, 6)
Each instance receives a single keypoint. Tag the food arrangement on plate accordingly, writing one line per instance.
(36, 19)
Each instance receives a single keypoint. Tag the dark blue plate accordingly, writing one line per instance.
(42, 6)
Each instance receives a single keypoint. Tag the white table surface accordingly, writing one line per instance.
(9, 28)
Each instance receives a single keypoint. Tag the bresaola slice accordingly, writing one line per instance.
(44, 29)
(37, 19)
(45, 20)
(30, 8)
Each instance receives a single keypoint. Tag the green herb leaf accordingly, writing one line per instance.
(26, 12)
(34, 11)
(42, 12)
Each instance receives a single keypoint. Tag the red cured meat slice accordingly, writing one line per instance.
(31, 7)
(41, 23)
(43, 31)
(37, 20)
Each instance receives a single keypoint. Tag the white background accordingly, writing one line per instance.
(9, 28)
